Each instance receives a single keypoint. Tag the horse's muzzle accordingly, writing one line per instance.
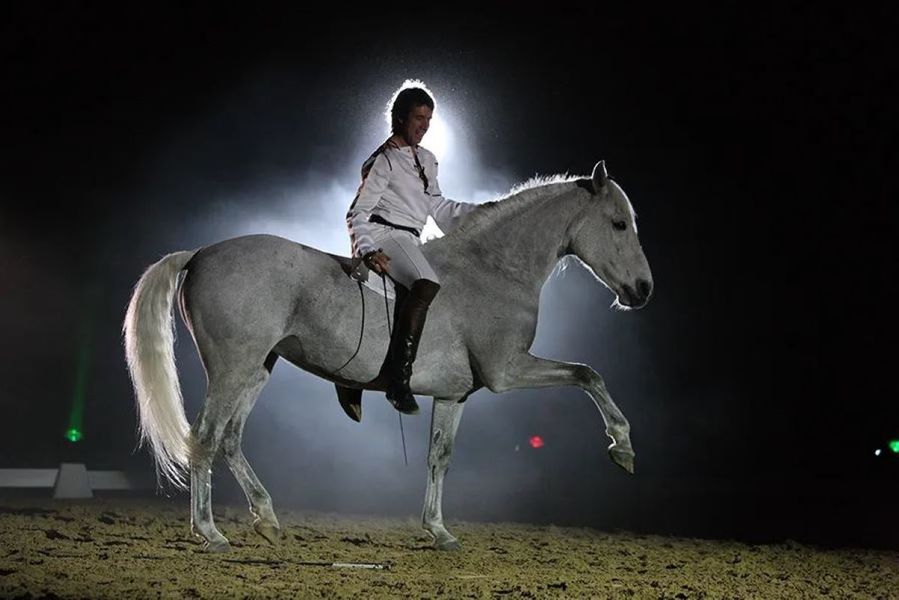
(637, 296)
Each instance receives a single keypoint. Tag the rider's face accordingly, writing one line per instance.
(416, 125)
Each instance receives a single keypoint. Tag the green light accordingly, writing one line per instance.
(894, 446)
(74, 433)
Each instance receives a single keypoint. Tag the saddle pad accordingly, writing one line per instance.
(376, 282)
(359, 272)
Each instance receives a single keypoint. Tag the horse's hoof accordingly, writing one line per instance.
(268, 530)
(622, 458)
(450, 545)
(217, 546)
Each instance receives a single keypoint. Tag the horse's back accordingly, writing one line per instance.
(249, 287)
(262, 259)
(248, 296)
(260, 251)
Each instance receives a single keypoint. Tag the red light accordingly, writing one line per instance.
(536, 441)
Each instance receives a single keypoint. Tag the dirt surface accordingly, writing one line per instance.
(125, 548)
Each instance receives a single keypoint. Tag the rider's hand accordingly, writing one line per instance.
(377, 261)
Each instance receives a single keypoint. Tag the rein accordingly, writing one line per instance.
(359, 345)
(361, 333)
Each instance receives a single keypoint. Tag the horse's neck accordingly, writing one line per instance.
(524, 243)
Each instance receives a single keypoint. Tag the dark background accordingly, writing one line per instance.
(756, 147)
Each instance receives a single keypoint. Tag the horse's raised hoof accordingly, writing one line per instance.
(270, 531)
(623, 458)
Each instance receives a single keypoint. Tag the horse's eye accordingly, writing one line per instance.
(619, 225)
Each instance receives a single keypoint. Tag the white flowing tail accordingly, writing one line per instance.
(149, 330)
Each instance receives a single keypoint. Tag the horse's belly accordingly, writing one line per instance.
(442, 368)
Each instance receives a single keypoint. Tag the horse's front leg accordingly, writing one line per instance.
(445, 417)
(529, 371)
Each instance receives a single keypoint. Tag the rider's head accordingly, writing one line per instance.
(410, 112)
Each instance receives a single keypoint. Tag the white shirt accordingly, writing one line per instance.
(393, 188)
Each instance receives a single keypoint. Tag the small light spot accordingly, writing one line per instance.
(877, 452)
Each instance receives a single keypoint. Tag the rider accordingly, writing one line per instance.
(398, 191)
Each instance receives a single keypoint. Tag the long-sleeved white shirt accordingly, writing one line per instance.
(393, 188)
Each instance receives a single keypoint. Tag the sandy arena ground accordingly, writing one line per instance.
(124, 548)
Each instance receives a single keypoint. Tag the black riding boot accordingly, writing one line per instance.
(410, 321)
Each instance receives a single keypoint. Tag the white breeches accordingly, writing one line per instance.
(407, 263)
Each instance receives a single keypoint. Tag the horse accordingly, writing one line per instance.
(250, 300)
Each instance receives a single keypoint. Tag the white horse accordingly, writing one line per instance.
(252, 299)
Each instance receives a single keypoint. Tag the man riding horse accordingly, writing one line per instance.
(399, 190)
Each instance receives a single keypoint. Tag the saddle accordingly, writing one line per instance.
(354, 267)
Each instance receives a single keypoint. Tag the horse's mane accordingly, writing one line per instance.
(540, 181)
(519, 196)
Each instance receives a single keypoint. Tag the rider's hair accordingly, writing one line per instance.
(403, 104)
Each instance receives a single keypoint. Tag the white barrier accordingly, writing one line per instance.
(70, 480)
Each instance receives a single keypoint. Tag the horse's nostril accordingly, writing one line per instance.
(644, 288)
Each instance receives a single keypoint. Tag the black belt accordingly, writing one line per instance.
(383, 221)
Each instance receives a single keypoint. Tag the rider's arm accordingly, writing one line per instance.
(370, 191)
(447, 213)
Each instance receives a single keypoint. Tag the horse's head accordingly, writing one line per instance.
(605, 238)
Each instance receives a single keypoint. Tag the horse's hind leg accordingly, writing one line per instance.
(227, 391)
(445, 417)
(265, 523)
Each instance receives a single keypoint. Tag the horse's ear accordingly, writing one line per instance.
(600, 176)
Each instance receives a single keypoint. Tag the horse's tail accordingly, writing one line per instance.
(149, 331)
